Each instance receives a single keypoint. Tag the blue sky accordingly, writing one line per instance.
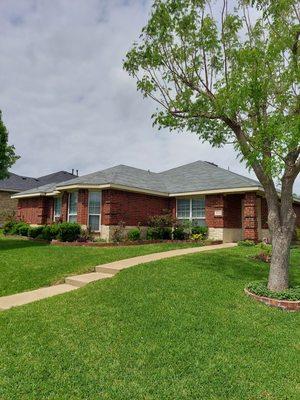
(67, 101)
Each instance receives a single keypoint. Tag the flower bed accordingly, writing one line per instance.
(130, 243)
(288, 299)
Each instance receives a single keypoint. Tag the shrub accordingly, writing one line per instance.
(118, 234)
(297, 234)
(246, 243)
(197, 237)
(9, 226)
(68, 231)
(35, 231)
(22, 229)
(200, 230)
(165, 220)
(50, 232)
(158, 233)
(134, 234)
(179, 233)
(260, 288)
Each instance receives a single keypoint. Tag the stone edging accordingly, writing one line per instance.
(287, 305)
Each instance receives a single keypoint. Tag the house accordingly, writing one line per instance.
(17, 183)
(230, 205)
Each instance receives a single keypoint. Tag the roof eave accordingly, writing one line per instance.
(21, 196)
(218, 191)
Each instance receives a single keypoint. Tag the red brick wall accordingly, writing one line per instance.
(64, 206)
(233, 211)
(82, 206)
(212, 203)
(36, 210)
(231, 207)
(250, 217)
(132, 208)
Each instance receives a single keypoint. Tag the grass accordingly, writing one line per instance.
(176, 329)
(26, 265)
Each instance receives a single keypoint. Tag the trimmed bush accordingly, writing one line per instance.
(179, 233)
(50, 232)
(158, 233)
(23, 229)
(200, 230)
(35, 231)
(9, 226)
(246, 243)
(68, 231)
(134, 234)
(260, 289)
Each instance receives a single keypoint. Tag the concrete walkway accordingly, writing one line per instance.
(101, 272)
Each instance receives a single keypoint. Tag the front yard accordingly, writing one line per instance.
(26, 265)
(179, 328)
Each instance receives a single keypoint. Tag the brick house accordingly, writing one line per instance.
(232, 206)
(16, 183)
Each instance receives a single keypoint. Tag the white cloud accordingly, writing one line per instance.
(65, 98)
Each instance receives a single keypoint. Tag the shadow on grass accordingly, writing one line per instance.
(12, 244)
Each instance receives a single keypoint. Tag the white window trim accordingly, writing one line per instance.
(100, 209)
(69, 206)
(54, 215)
(191, 209)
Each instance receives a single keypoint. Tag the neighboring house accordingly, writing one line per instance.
(17, 183)
(232, 206)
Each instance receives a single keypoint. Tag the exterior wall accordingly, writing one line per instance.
(250, 222)
(83, 207)
(224, 217)
(36, 210)
(64, 206)
(131, 208)
(8, 206)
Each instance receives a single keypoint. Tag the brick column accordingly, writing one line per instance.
(250, 223)
(82, 207)
(64, 206)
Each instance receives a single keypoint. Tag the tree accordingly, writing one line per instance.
(7, 152)
(231, 78)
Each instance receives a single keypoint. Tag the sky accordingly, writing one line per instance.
(66, 100)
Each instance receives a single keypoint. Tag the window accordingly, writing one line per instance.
(73, 199)
(57, 208)
(94, 211)
(192, 210)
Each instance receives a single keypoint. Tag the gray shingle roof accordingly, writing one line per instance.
(202, 175)
(193, 177)
(18, 183)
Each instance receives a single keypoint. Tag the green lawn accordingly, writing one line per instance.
(177, 329)
(26, 265)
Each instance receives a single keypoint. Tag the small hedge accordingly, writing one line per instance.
(246, 243)
(179, 233)
(66, 231)
(260, 289)
(134, 234)
(200, 230)
(159, 233)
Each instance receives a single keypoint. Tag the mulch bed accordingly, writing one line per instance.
(125, 243)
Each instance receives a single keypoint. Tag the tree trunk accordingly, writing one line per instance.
(279, 268)
(281, 223)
